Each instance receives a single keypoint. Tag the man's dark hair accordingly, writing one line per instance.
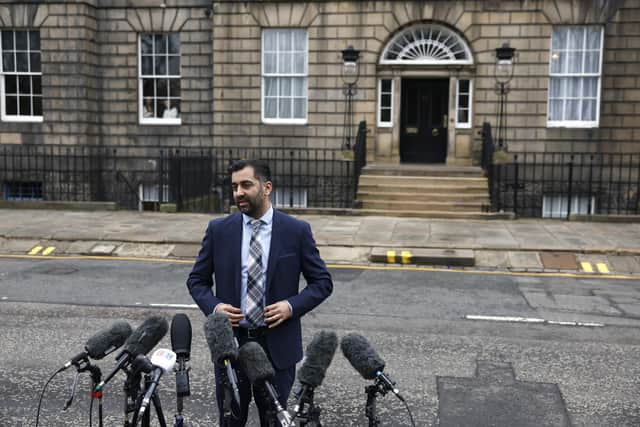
(260, 168)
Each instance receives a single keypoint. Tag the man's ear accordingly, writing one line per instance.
(268, 186)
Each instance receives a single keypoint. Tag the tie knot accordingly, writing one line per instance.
(255, 224)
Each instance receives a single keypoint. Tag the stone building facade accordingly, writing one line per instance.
(269, 73)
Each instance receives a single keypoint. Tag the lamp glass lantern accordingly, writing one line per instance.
(350, 69)
(503, 74)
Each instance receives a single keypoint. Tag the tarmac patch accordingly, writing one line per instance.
(495, 398)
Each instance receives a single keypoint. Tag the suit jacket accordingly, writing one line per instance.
(293, 251)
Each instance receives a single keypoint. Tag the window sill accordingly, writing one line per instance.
(297, 122)
(161, 122)
(573, 125)
(22, 119)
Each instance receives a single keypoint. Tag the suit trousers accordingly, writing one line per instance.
(282, 382)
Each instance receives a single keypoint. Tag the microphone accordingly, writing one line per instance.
(181, 345)
(255, 364)
(318, 357)
(102, 343)
(223, 347)
(366, 361)
(141, 341)
(163, 361)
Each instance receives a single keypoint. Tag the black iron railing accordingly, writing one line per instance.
(359, 155)
(560, 184)
(195, 180)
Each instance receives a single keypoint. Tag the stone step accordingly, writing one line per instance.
(415, 205)
(423, 189)
(421, 170)
(422, 180)
(479, 197)
(433, 214)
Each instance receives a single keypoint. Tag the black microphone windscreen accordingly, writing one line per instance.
(361, 355)
(320, 352)
(217, 330)
(107, 340)
(181, 335)
(147, 335)
(255, 363)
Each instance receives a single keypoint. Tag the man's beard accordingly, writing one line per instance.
(252, 207)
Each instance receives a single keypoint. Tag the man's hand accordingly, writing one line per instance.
(233, 313)
(277, 313)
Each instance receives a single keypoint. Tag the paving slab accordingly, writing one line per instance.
(103, 248)
(144, 250)
(82, 247)
(19, 245)
(525, 260)
(343, 254)
(497, 259)
(185, 250)
(624, 263)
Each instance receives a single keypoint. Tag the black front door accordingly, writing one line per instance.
(423, 136)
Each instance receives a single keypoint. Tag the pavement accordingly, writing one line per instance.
(527, 245)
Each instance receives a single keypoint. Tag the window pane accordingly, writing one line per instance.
(285, 108)
(174, 65)
(559, 38)
(7, 40)
(300, 40)
(147, 88)
(160, 107)
(385, 100)
(35, 62)
(385, 115)
(160, 43)
(284, 63)
(284, 41)
(299, 63)
(593, 38)
(576, 38)
(285, 87)
(575, 62)
(555, 110)
(557, 59)
(36, 82)
(22, 61)
(270, 108)
(270, 86)
(555, 88)
(299, 108)
(463, 86)
(174, 88)
(592, 62)
(174, 43)
(21, 40)
(147, 107)
(386, 85)
(161, 88)
(573, 86)
(12, 105)
(299, 86)
(146, 41)
(34, 40)
(147, 65)
(11, 84)
(572, 110)
(270, 63)
(24, 84)
(161, 65)
(37, 105)
(463, 116)
(463, 101)
(590, 88)
(589, 110)
(7, 62)
(25, 105)
(270, 38)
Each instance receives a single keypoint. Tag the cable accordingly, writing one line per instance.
(91, 410)
(42, 394)
(409, 411)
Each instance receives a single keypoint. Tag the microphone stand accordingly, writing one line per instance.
(96, 376)
(146, 417)
(131, 392)
(370, 408)
(308, 415)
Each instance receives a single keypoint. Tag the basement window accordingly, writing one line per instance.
(289, 197)
(556, 206)
(22, 190)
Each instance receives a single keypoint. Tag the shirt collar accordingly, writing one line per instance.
(267, 218)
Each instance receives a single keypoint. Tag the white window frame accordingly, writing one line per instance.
(576, 123)
(157, 120)
(304, 76)
(556, 206)
(467, 124)
(280, 197)
(381, 123)
(3, 104)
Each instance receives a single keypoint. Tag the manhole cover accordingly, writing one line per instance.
(60, 270)
(559, 260)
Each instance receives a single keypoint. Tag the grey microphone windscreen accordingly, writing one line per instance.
(319, 354)
(217, 330)
(107, 340)
(255, 363)
(147, 335)
(361, 355)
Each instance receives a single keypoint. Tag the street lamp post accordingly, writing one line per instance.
(503, 74)
(350, 75)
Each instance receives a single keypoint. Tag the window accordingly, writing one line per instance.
(159, 81)
(554, 206)
(575, 69)
(289, 197)
(284, 76)
(385, 103)
(463, 104)
(23, 190)
(21, 76)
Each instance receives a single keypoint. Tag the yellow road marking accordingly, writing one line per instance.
(602, 268)
(49, 250)
(406, 257)
(336, 266)
(586, 266)
(35, 250)
(391, 257)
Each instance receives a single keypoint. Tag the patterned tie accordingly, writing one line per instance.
(254, 311)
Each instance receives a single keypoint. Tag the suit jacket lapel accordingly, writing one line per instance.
(235, 248)
(274, 250)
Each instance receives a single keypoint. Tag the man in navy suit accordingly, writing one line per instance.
(256, 256)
